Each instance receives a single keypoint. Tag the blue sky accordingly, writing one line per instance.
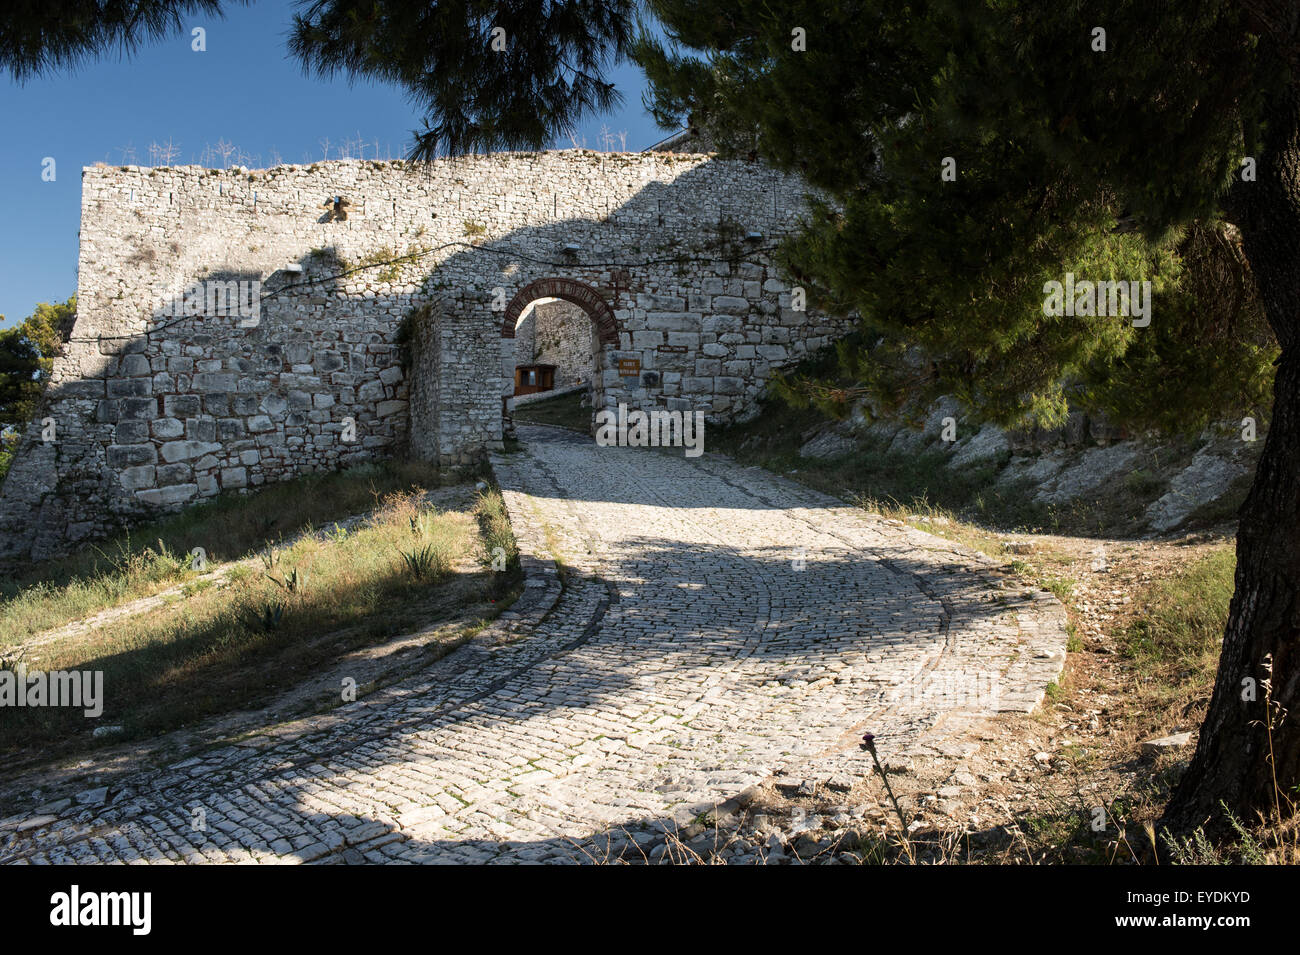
(243, 90)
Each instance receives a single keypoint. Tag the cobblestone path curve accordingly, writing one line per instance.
(708, 625)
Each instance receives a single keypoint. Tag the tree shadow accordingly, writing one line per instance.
(753, 668)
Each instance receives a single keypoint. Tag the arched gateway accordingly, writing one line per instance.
(589, 302)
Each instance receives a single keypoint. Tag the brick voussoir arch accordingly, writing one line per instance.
(571, 290)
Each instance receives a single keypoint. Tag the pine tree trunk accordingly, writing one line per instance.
(1237, 765)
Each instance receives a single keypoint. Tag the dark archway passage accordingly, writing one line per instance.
(571, 290)
(604, 326)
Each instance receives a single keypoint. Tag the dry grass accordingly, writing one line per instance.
(1174, 644)
(157, 556)
(268, 624)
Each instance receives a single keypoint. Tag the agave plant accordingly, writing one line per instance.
(426, 562)
(292, 582)
(270, 618)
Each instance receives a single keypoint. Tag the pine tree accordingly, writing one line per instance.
(39, 38)
(1108, 139)
(485, 74)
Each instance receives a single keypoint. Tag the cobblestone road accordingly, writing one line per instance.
(708, 625)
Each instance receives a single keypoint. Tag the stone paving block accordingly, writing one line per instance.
(682, 662)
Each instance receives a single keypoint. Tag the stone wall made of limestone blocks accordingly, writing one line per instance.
(155, 411)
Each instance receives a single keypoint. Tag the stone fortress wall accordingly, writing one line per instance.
(389, 328)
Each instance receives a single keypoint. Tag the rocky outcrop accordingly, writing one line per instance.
(1214, 471)
(1085, 459)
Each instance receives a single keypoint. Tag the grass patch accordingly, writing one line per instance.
(1180, 629)
(155, 556)
(235, 645)
(500, 552)
(1062, 588)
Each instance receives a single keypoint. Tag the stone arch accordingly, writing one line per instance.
(571, 290)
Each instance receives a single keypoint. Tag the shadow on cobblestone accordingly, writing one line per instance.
(693, 652)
